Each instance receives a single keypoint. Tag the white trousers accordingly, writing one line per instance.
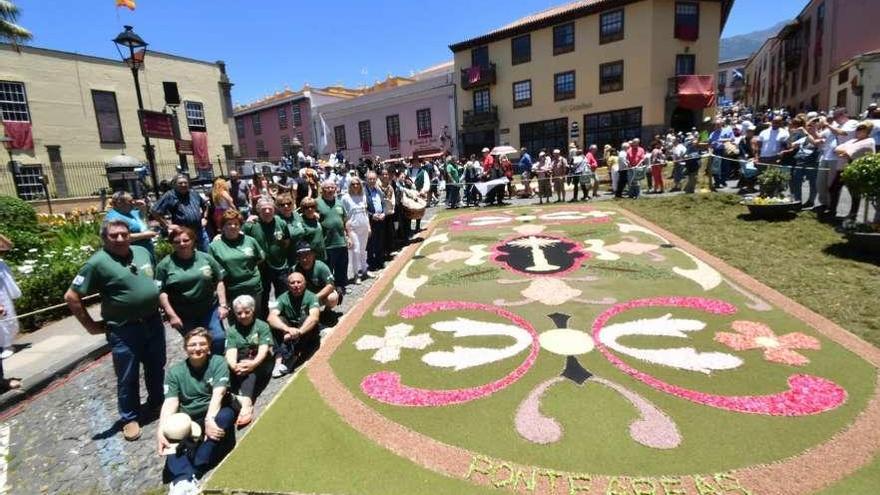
(357, 253)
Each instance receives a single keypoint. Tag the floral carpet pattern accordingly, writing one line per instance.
(525, 350)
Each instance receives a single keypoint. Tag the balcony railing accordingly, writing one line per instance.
(478, 118)
(475, 76)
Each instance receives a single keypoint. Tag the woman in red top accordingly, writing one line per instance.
(507, 168)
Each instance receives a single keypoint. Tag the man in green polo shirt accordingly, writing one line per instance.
(273, 236)
(295, 321)
(319, 279)
(336, 233)
(123, 275)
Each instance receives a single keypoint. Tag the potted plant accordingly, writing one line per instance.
(862, 176)
(771, 201)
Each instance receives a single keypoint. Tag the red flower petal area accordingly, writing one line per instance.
(579, 256)
(385, 386)
(462, 223)
(806, 395)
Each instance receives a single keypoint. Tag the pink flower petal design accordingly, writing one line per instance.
(797, 340)
(752, 329)
(386, 386)
(530, 423)
(736, 341)
(806, 394)
(783, 355)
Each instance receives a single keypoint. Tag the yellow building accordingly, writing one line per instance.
(82, 110)
(591, 71)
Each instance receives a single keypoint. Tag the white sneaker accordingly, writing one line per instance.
(184, 487)
(7, 352)
(279, 370)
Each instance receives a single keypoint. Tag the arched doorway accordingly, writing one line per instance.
(682, 119)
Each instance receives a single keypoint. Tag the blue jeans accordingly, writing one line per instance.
(136, 343)
(191, 460)
(211, 321)
(798, 174)
(202, 241)
(453, 196)
(337, 261)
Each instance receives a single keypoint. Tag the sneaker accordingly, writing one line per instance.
(131, 431)
(7, 352)
(279, 370)
(184, 487)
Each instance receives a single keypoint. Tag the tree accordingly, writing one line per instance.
(9, 30)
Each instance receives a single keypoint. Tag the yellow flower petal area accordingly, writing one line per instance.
(566, 342)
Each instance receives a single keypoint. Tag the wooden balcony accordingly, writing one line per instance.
(474, 77)
(486, 118)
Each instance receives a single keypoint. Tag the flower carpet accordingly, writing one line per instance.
(569, 350)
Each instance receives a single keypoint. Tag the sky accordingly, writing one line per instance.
(270, 45)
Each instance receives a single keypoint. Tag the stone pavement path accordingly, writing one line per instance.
(66, 440)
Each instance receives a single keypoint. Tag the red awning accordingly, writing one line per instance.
(695, 92)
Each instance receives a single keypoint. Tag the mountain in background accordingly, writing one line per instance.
(743, 45)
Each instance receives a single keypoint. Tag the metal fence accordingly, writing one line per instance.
(78, 179)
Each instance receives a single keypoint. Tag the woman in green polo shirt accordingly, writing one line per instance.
(192, 290)
(197, 386)
(248, 341)
(313, 231)
(239, 256)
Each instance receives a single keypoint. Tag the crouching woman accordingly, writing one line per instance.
(197, 386)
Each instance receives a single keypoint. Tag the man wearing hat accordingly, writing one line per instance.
(488, 161)
(319, 279)
(525, 168)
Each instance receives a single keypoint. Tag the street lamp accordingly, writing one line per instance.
(128, 39)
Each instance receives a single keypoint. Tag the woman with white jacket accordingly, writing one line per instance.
(355, 205)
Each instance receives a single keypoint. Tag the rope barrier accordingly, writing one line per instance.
(42, 310)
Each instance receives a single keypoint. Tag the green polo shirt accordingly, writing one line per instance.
(194, 387)
(191, 284)
(313, 233)
(333, 221)
(295, 310)
(249, 338)
(128, 291)
(239, 260)
(297, 234)
(452, 173)
(318, 277)
(274, 240)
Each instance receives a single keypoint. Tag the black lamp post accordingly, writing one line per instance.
(129, 40)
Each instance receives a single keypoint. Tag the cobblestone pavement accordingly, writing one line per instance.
(66, 440)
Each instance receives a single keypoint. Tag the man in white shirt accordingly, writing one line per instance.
(772, 141)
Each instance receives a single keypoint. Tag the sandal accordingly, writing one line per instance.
(245, 417)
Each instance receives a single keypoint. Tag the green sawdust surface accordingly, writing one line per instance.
(595, 419)
(865, 481)
(803, 258)
(300, 445)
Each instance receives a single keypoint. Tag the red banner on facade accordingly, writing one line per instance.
(156, 124)
(696, 92)
(20, 133)
(183, 146)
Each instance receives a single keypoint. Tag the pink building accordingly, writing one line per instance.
(416, 117)
(266, 128)
(793, 68)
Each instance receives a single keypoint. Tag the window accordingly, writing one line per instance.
(611, 77)
(107, 114)
(195, 116)
(687, 21)
(545, 135)
(261, 150)
(805, 62)
(611, 26)
(521, 49)
(13, 102)
(423, 122)
(843, 76)
(282, 117)
(285, 145)
(612, 127)
(480, 57)
(299, 137)
(239, 127)
(722, 77)
(255, 123)
(392, 126)
(243, 149)
(686, 65)
(563, 38)
(817, 43)
(297, 116)
(522, 93)
(841, 98)
(339, 137)
(563, 86)
(366, 136)
(481, 101)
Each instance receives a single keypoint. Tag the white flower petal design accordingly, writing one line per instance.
(396, 337)
(684, 358)
(598, 246)
(704, 275)
(479, 255)
(468, 357)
